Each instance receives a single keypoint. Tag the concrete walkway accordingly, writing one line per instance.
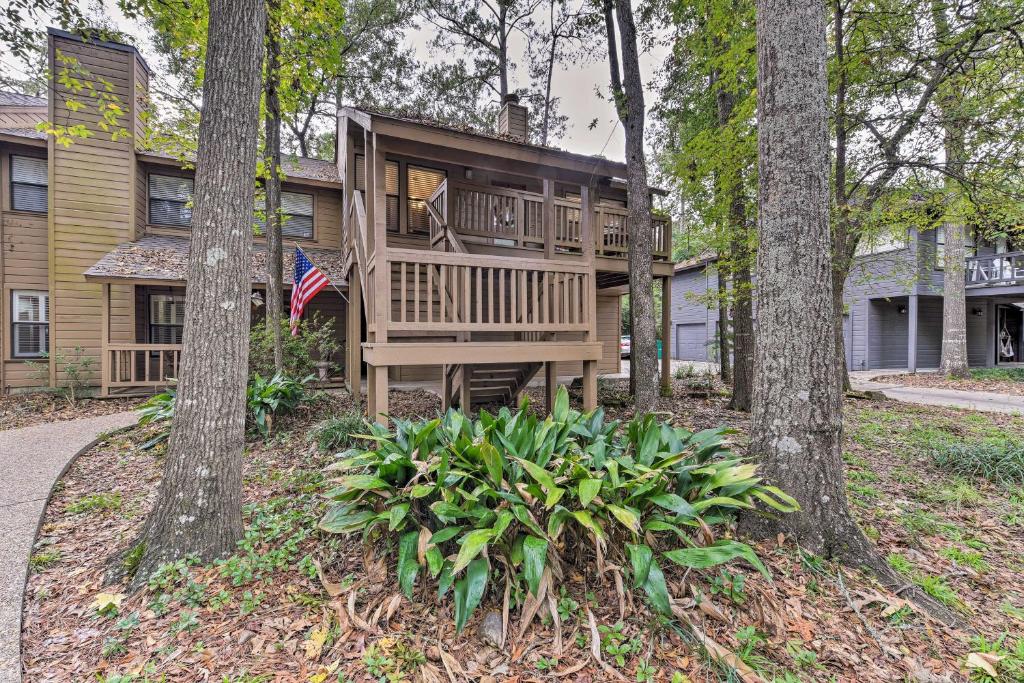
(985, 401)
(31, 460)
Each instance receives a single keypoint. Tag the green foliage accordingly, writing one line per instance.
(1010, 664)
(44, 558)
(95, 501)
(317, 339)
(74, 372)
(1001, 462)
(966, 558)
(998, 374)
(266, 397)
(336, 433)
(530, 492)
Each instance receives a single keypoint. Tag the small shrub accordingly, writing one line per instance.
(74, 372)
(999, 462)
(337, 433)
(316, 340)
(279, 394)
(95, 501)
(570, 486)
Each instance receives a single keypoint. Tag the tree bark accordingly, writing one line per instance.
(842, 254)
(796, 424)
(198, 509)
(953, 359)
(724, 357)
(742, 314)
(272, 121)
(629, 103)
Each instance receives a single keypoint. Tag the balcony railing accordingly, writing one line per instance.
(516, 218)
(995, 269)
(140, 368)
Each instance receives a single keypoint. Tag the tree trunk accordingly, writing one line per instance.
(953, 359)
(724, 357)
(796, 425)
(503, 51)
(725, 103)
(742, 314)
(629, 101)
(275, 250)
(842, 254)
(198, 509)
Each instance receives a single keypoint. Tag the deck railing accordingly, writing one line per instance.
(450, 292)
(995, 269)
(516, 218)
(141, 368)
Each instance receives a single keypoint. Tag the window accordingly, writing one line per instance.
(296, 215)
(29, 178)
(359, 173)
(391, 200)
(940, 246)
(30, 316)
(166, 318)
(422, 183)
(170, 200)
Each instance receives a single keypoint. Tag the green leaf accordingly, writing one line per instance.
(656, 590)
(469, 591)
(446, 511)
(776, 498)
(627, 516)
(640, 556)
(472, 544)
(535, 552)
(396, 515)
(716, 554)
(539, 474)
(408, 565)
(722, 501)
(421, 490)
(505, 518)
(525, 517)
(363, 482)
(341, 519)
(561, 408)
(493, 461)
(554, 495)
(435, 560)
(588, 490)
(444, 582)
(674, 503)
(445, 534)
(588, 522)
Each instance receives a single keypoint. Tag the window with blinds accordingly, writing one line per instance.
(296, 215)
(170, 200)
(29, 180)
(30, 323)
(391, 201)
(359, 173)
(422, 183)
(166, 318)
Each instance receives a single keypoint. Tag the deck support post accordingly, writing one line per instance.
(666, 335)
(105, 342)
(589, 385)
(912, 333)
(446, 389)
(353, 335)
(548, 221)
(550, 385)
(465, 390)
(377, 394)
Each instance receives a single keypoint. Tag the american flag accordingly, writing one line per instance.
(307, 282)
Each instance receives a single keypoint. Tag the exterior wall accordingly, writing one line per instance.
(23, 265)
(688, 310)
(92, 189)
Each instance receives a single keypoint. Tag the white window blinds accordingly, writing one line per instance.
(30, 324)
(169, 198)
(29, 178)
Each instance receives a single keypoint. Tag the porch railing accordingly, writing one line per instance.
(516, 218)
(141, 367)
(450, 292)
(995, 269)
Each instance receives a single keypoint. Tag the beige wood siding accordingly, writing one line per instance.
(23, 266)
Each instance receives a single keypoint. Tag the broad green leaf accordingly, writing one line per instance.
(472, 544)
(674, 503)
(554, 495)
(535, 551)
(505, 518)
(444, 582)
(408, 566)
(446, 511)
(776, 498)
(342, 519)
(716, 554)
(493, 461)
(640, 556)
(539, 474)
(396, 514)
(627, 516)
(363, 482)
(469, 591)
(588, 522)
(525, 517)
(723, 501)
(588, 490)
(561, 408)
(421, 490)
(445, 534)
(435, 560)
(656, 590)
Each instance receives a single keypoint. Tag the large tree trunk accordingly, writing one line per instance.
(198, 510)
(629, 100)
(724, 357)
(796, 425)
(742, 314)
(842, 256)
(272, 121)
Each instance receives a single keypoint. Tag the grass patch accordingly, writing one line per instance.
(966, 558)
(335, 433)
(934, 586)
(93, 502)
(999, 462)
(43, 559)
(998, 374)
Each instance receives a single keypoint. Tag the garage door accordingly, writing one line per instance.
(691, 341)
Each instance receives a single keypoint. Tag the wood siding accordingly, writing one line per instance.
(23, 265)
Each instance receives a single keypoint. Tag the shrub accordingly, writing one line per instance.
(1000, 462)
(473, 503)
(316, 340)
(336, 433)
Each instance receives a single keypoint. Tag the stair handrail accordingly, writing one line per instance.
(358, 215)
(448, 234)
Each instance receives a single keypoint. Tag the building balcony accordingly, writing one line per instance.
(995, 270)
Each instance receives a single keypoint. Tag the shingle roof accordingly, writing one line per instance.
(700, 260)
(17, 99)
(23, 133)
(164, 258)
(294, 167)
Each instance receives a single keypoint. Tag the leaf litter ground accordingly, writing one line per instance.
(296, 605)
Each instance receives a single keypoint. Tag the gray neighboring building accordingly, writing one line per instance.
(894, 306)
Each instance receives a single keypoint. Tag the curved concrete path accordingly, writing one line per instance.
(985, 401)
(31, 460)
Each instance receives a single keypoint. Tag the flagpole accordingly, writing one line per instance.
(297, 248)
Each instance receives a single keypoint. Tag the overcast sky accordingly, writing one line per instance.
(576, 86)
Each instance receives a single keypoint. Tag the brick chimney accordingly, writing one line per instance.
(514, 119)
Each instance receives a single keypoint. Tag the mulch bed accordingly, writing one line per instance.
(347, 624)
(26, 410)
(931, 380)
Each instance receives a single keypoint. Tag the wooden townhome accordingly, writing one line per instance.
(472, 261)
